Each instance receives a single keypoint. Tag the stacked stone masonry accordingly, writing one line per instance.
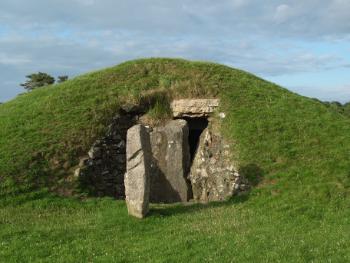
(102, 172)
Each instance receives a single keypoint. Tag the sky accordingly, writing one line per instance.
(302, 45)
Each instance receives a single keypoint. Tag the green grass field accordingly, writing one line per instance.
(296, 150)
(260, 227)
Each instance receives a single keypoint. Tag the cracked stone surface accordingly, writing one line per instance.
(171, 163)
(137, 177)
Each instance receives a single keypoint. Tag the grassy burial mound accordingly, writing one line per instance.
(294, 150)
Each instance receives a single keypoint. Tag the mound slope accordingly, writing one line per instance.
(287, 143)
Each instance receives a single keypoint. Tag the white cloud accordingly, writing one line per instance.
(13, 59)
(86, 2)
(301, 19)
(239, 3)
(283, 13)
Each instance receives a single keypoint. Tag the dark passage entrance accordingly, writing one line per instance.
(196, 127)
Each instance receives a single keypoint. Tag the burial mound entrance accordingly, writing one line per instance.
(196, 126)
(189, 158)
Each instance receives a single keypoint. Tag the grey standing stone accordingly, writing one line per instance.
(137, 177)
(171, 163)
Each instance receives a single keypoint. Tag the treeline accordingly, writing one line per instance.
(41, 79)
(338, 107)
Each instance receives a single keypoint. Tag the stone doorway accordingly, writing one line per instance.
(196, 126)
(174, 146)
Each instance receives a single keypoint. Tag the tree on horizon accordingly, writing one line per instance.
(61, 79)
(37, 80)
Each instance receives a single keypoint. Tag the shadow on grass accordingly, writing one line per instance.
(252, 172)
(23, 197)
(176, 209)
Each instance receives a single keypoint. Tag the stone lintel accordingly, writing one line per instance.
(194, 107)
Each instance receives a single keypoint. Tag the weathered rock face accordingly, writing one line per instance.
(102, 172)
(193, 107)
(137, 177)
(171, 163)
(213, 177)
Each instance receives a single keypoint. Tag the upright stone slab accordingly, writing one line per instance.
(137, 177)
(171, 163)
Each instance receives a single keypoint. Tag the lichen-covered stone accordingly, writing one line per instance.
(213, 177)
(171, 163)
(193, 107)
(137, 177)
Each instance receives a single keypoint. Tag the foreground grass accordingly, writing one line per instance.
(259, 227)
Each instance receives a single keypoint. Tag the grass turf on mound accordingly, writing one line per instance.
(297, 151)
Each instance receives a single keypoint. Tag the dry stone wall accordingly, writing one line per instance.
(101, 173)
